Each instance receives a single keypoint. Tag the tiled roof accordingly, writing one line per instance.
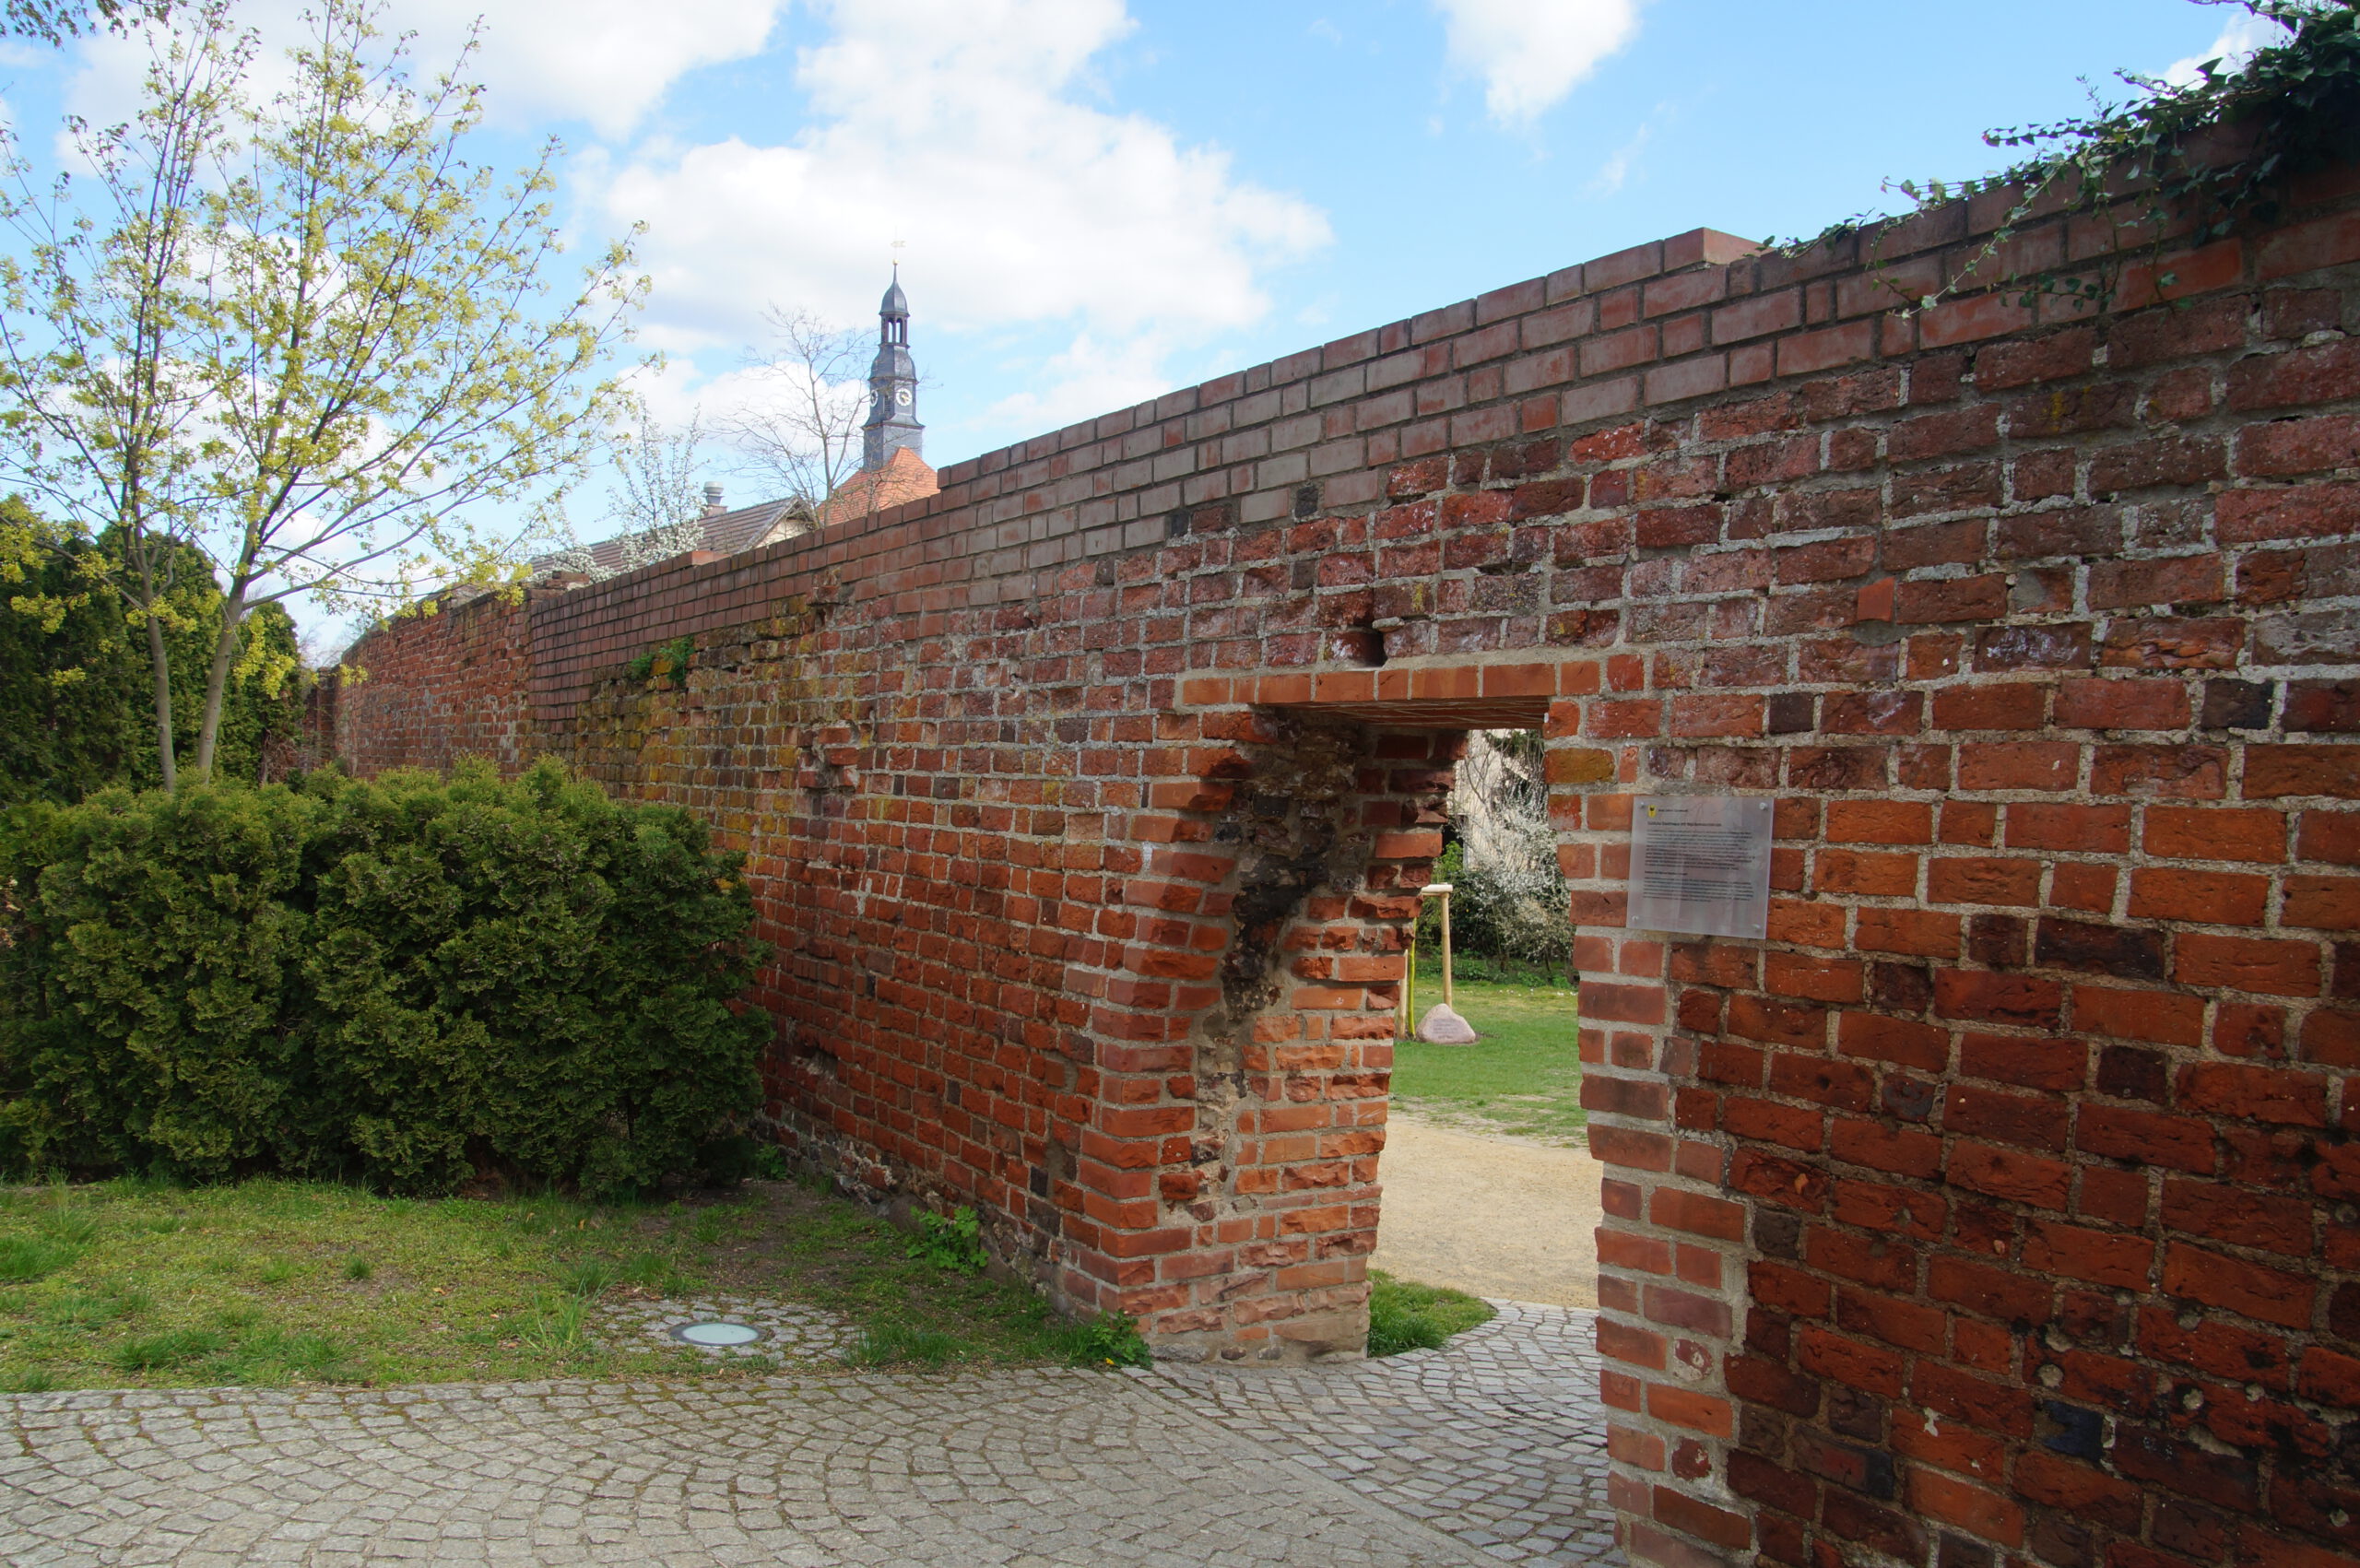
(904, 477)
(725, 533)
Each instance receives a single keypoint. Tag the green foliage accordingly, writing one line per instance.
(477, 1289)
(736, 1157)
(289, 319)
(666, 659)
(886, 1344)
(173, 1348)
(1404, 1316)
(55, 22)
(267, 1354)
(653, 1271)
(88, 1310)
(1112, 1338)
(2183, 164)
(558, 1324)
(403, 981)
(26, 1258)
(151, 968)
(76, 703)
(1513, 911)
(555, 966)
(1508, 901)
(73, 1226)
(587, 1279)
(2298, 100)
(70, 685)
(1477, 969)
(954, 1242)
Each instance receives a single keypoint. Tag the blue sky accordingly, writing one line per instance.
(1103, 199)
(1337, 166)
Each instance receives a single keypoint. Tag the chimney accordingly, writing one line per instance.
(713, 507)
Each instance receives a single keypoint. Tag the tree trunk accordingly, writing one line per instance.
(159, 661)
(160, 658)
(216, 680)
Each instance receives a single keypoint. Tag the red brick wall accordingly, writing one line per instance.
(434, 687)
(2027, 1128)
(1998, 1209)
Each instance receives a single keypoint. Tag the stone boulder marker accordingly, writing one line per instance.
(1441, 1026)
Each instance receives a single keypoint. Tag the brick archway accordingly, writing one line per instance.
(1674, 1251)
(2035, 1103)
(1251, 1009)
(1256, 1007)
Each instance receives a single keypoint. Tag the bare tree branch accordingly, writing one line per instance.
(800, 438)
(658, 489)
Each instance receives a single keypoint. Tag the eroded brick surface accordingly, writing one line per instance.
(1999, 1208)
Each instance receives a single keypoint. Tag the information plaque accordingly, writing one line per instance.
(1700, 864)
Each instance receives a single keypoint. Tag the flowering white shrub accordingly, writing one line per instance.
(1510, 902)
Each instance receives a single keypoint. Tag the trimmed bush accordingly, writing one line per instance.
(405, 981)
(152, 943)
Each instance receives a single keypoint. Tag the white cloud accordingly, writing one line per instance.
(604, 62)
(955, 126)
(1088, 378)
(1616, 171)
(1531, 53)
(2240, 38)
(608, 62)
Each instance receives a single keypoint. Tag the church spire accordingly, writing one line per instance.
(893, 424)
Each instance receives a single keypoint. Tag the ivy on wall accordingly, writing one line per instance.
(2181, 164)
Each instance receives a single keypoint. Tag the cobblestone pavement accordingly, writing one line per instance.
(1498, 1438)
(790, 1331)
(1167, 1469)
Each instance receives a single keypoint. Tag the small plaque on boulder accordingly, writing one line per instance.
(1441, 1026)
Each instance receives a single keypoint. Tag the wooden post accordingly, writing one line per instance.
(1446, 945)
(1441, 890)
(1410, 986)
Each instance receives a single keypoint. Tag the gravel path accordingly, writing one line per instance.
(1487, 1451)
(1499, 1216)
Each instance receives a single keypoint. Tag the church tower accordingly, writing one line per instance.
(892, 425)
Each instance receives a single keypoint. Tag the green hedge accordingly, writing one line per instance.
(405, 981)
(77, 691)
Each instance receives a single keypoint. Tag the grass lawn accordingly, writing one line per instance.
(129, 1284)
(1406, 1316)
(1522, 1076)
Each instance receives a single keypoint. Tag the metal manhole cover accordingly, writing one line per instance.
(717, 1336)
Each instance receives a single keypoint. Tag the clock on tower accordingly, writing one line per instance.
(893, 424)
